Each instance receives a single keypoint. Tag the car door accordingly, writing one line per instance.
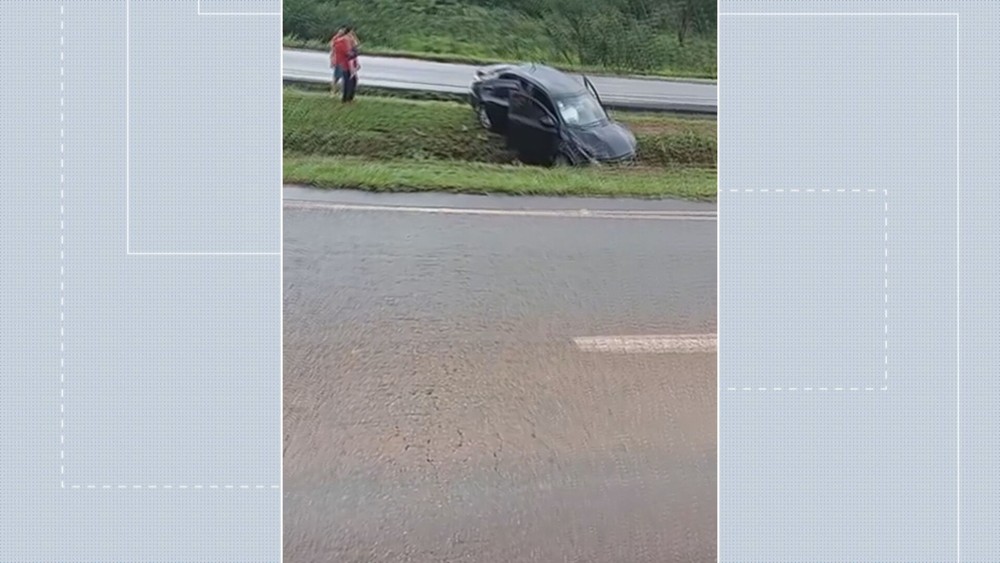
(496, 97)
(533, 128)
(593, 91)
(547, 133)
(504, 85)
(518, 121)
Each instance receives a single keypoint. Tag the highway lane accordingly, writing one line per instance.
(410, 74)
(440, 407)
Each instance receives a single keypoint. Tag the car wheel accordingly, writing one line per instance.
(484, 118)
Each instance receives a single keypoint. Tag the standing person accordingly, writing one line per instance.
(336, 63)
(347, 51)
(349, 30)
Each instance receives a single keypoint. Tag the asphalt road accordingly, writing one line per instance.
(409, 74)
(438, 406)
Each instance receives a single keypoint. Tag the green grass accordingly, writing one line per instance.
(375, 91)
(465, 177)
(395, 128)
(397, 144)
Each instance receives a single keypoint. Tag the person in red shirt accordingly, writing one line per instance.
(345, 58)
(335, 62)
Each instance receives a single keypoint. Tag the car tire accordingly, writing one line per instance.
(483, 116)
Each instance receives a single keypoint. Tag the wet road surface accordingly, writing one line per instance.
(438, 409)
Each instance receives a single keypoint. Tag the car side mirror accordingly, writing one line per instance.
(547, 121)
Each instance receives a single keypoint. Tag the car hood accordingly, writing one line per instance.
(609, 141)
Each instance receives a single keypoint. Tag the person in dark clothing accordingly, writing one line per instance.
(351, 66)
(350, 85)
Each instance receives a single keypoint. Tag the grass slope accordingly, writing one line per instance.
(395, 144)
(390, 128)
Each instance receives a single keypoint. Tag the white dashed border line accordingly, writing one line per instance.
(885, 290)
(62, 245)
(958, 231)
(128, 140)
(885, 283)
(62, 298)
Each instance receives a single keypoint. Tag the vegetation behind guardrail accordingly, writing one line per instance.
(664, 37)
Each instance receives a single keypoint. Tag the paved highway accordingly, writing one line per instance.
(452, 393)
(410, 74)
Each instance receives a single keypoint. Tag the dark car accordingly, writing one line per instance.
(547, 116)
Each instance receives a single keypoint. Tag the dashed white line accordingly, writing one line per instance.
(650, 344)
(62, 298)
(885, 294)
(62, 246)
(885, 284)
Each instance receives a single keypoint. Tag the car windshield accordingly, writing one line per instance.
(580, 111)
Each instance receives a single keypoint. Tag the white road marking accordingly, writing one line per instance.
(652, 344)
(562, 213)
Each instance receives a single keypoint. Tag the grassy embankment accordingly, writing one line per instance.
(673, 38)
(394, 144)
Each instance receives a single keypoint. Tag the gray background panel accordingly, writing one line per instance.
(908, 474)
(205, 131)
(830, 103)
(156, 378)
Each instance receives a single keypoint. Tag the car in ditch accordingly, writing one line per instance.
(548, 117)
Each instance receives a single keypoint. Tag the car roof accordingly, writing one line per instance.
(553, 81)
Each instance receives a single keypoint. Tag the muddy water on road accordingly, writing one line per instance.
(436, 408)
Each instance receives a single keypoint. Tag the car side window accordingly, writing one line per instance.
(504, 86)
(521, 104)
(518, 97)
(528, 107)
(541, 100)
(546, 102)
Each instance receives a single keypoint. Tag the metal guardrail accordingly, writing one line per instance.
(451, 92)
